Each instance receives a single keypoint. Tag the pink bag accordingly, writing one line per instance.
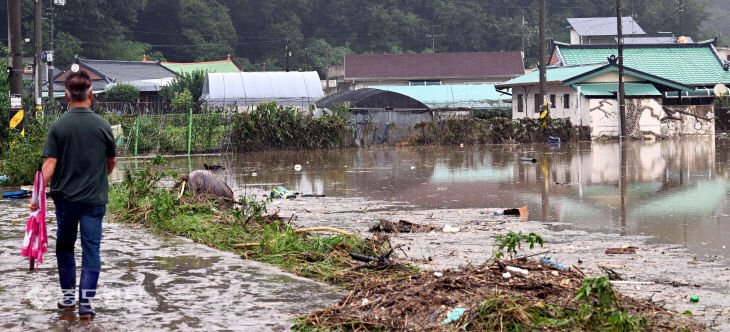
(35, 243)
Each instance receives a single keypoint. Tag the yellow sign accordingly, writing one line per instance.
(544, 114)
(16, 122)
(16, 119)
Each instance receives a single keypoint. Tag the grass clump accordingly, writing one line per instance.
(492, 131)
(140, 198)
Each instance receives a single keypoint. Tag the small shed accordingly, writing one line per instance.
(379, 116)
(248, 89)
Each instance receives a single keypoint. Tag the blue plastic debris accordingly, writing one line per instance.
(454, 315)
(553, 263)
(16, 194)
(553, 139)
(3, 179)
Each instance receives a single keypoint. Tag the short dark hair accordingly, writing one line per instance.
(78, 85)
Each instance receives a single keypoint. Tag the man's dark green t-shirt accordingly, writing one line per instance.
(81, 141)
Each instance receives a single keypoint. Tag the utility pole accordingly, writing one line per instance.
(542, 57)
(37, 61)
(287, 54)
(681, 17)
(15, 66)
(49, 56)
(433, 37)
(621, 96)
(327, 66)
(523, 34)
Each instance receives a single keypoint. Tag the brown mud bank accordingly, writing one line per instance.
(667, 276)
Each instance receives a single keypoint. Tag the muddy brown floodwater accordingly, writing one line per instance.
(674, 191)
(152, 282)
(667, 198)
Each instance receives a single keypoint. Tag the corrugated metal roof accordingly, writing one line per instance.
(652, 40)
(604, 26)
(609, 89)
(433, 66)
(453, 96)
(691, 64)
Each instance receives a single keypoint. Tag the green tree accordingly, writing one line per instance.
(202, 29)
(182, 102)
(191, 82)
(122, 93)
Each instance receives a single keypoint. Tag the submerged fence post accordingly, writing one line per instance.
(136, 134)
(190, 130)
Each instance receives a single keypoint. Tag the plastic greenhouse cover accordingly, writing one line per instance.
(252, 88)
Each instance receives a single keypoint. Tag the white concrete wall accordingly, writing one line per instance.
(650, 116)
(574, 37)
(643, 115)
(577, 116)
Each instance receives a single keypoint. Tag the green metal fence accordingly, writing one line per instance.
(167, 133)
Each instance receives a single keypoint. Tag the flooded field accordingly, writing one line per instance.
(666, 197)
(674, 191)
(152, 282)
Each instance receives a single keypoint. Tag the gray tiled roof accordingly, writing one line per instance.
(652, 40)
(127, 71)
(604, 26)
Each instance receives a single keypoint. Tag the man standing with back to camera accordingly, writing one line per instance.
(78, 156)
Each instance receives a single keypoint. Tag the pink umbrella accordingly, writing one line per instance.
(35, 243)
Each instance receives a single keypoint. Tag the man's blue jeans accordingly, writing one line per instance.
(69, 217)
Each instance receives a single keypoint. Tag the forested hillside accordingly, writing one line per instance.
(256, 32)
(719, 20)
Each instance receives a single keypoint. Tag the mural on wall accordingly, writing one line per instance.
(642, 117)
(688, 120)
(649, 117)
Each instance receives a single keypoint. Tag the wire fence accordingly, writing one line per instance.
(151, 128)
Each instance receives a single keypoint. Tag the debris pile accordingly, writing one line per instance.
(402, 226)
(484, 296)
(621, 251)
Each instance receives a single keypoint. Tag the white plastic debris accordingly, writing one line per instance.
(365, 301)
(413, 167)
(449, 229)
(298, 168)
(555, 273)
(506, 275)
(254, 174)
(438, 274)
(461, 145)
(518, 270)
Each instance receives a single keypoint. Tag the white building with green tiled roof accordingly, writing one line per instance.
(669, 88)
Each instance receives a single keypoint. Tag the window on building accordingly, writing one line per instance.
(520, 104)
(552, 101)
(537, 103)
(566, 100)
(424, 82)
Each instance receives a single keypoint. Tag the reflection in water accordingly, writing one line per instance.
(673, 189)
